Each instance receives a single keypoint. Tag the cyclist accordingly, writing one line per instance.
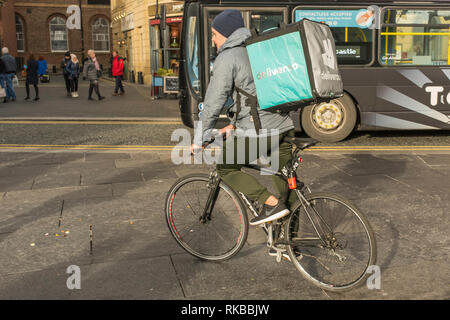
(232, 69)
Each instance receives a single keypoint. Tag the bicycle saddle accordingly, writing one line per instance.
(301, 143)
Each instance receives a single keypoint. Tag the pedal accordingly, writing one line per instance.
(279, 256)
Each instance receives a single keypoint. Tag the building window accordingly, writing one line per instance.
(58, 35)
(100, 35)
(20, 34)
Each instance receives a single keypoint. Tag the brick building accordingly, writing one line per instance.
(40, 27)
(7, 26)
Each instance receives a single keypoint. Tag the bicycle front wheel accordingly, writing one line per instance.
(330, 242)
(216, 239)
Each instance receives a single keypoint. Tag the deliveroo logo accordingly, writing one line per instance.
(328, 56)
(277, 71)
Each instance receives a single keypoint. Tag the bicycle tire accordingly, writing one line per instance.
(372, 254)
(240, 209)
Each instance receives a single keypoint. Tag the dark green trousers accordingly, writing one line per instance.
(244, 153)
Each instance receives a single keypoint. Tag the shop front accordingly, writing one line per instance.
(165, 43)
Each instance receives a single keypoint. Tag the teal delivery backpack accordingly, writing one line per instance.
(293, 66)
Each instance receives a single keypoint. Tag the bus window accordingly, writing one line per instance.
(212, 47)
(351, 31)
(263, 21)
(191, 48)
(415, 37)
(259, 20)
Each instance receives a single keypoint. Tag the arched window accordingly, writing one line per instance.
(58, 35)
(20, 34)
(100, 35)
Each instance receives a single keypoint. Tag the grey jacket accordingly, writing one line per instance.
(232, 68)
(89, 70)
(10, 63)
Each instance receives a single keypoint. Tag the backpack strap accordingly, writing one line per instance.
(253, 103)
(251, 100)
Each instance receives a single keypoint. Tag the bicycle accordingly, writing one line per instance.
(208, 219)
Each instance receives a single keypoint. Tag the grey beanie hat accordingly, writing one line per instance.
(227, 22)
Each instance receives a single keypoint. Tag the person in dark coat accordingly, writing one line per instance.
(32, 77)
(2, 74)
(64, 64)
(73, 69)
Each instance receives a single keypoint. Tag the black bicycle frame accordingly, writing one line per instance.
(212, 197)
(213, 194)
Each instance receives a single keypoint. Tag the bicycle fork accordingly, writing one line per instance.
(213, 183)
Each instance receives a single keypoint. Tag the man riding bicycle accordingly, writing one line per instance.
(232, 70)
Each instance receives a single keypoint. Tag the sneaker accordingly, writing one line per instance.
(270, 213)
(115, 94)
(76, 95)
(101, 98)
(73, 94)
(274, 253)
(36, 99)
(27, 98)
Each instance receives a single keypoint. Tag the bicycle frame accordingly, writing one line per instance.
(289, 170)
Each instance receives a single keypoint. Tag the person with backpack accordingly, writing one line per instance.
(32, 77)
(232, 70)
(117, 73)
(73, 70)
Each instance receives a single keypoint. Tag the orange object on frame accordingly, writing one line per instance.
(292, 183)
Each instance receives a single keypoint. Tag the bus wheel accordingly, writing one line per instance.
(330, 121)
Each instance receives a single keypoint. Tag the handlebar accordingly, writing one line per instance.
(216, 134)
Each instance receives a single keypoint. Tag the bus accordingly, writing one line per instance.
(394, 58)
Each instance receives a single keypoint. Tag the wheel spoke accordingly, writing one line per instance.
(342, 260)
(218, 238)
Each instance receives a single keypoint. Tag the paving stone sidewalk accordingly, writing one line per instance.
(137, 103)
(405, 197)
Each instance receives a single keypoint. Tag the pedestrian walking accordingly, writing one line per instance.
(32, 77)
(73, 69)
(10, 71)
(92, 72)
(64, 63)
(117, 72)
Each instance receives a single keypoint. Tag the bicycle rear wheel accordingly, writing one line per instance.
(338, 259)
(215, 239)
